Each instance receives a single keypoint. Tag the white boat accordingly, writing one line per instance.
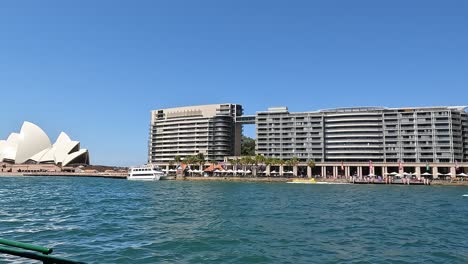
(145, 173)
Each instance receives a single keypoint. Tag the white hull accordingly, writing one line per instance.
(143, 178)
(145, 173)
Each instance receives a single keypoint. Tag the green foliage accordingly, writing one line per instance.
(259, 159)
(311, 163)
(293, 162)
(247, 146)
(200, 159)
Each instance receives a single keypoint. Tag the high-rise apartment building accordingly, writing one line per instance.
(419, 134)
(184, 131)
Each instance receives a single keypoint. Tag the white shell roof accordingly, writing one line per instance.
(32, 143)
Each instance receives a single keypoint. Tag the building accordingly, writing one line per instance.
(343, 141)
(32, 146)
(421, 134)
(184, 131)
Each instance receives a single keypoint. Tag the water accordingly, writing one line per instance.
(118, 221)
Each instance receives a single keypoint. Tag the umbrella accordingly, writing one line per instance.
(394, 173)
(248, 171)
(190, 170)
(462, 174)
(229, 171)
(273, 171)
(426, 174)
(216, 170)
(240, 171)
(172, 170)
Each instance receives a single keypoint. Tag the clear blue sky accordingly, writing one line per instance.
(95, 69)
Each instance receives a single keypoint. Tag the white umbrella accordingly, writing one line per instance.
(172, 170)
(229, 171)
(216, 170)
(288, 172)
(248, 171)
(273, 171)
(462, 174)
(426, 174)
(394, 173)
(190, 170)
(240, 171)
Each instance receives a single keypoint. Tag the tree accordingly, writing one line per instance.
(246, 160)
(311, 164)
(177, 159)
(201, 160)
(247, 146)
(259, 159)
(280, 162)
(294, 161)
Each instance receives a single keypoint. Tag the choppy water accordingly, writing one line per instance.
(118, 221)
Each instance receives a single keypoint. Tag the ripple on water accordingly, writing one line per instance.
(114, 221)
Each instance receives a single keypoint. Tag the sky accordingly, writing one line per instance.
(95, 69)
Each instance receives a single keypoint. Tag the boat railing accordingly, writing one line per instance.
(30, 251)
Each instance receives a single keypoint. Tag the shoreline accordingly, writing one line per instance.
(122, 176)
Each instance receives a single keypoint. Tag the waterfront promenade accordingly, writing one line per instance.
(277, 179)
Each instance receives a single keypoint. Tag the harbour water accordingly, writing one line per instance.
(118, 221)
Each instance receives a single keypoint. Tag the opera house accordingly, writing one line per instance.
(32, 146)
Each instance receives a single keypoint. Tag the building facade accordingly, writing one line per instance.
(184, 131)
(387, 135)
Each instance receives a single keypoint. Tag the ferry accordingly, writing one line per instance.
(145, 173)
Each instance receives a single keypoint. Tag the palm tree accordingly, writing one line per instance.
(258, 159)
(311, 164)
(293, 163)
(272, 162)
(190, 160)
(245, 161)
(177, 160)
(201, 160)
(251, 162)
(281, 163)
(235, 162)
